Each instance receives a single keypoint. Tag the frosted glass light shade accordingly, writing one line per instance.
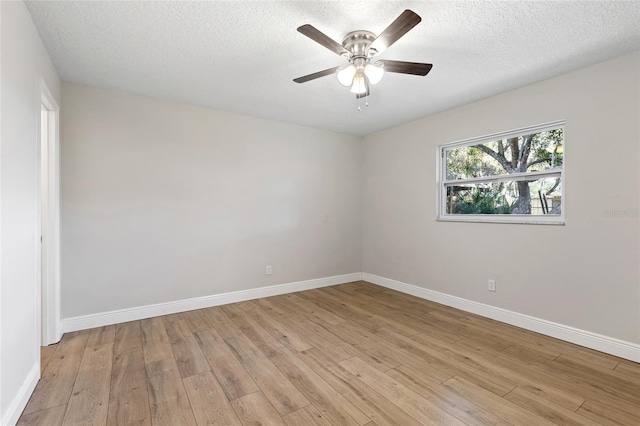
(346, 74)
(374, 73)
(359, 85)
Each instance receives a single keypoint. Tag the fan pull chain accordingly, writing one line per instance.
(366, 103)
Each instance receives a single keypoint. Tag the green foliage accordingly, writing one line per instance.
(528, 153)
(544, 151)
(470, 162)
(482, 201)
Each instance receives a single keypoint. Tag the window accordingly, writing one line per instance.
(514, 176)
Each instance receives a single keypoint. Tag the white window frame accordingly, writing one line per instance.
(442, 181)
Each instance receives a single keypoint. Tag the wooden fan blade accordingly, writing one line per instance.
(403, 23)
(323, 39)
(316, 75)
(402, 67)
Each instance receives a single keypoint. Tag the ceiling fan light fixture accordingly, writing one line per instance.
(374, 72)
(360, 47)
(359, 85)
(346, 74)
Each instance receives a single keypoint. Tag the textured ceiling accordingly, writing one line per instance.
(241, 56)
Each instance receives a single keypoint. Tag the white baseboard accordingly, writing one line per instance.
(131, 314)
(610, 345)
(17, 404)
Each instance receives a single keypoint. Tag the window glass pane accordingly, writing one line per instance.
(532, 196)
(528, 153)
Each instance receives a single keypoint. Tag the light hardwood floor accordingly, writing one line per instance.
(352, 354)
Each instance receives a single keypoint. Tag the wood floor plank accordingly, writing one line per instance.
(611, 377)
(546, 344)
(311, 385)
(428, 388)
(336, 306)
(325, 341)
(306, 416)
(221, 323)
(168, 399)
(446, 359)
(547, 410)
(551, 378)
(268, 315)
(89, 402)
(173, 317)
(378, 312)
(493, 403)
(405, 318)
(56, 384)
(234, 379)
(48, 417)
(250, 328)
(455, 325)
(197, 320)
(528, 351)
(425, 373)
(326, 399)
(628, 370)
(367, 346)
(516, 338)
(101, 335)
(128, 338)
(311, 309)
(375, 406)
(522, 375)
(46, 353)
(576, 380)
(186, 350)
(314, 332)
(330, 371)
(255, 410)
(208, 401)
(607, 414)
(129, 396)
(403, 397)
(284, 397)
(155, 341)
(424, 305)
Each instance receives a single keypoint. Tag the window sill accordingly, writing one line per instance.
(512, 219)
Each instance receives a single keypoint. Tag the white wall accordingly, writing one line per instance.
(584, 274)
(24, 61)
(163, 201)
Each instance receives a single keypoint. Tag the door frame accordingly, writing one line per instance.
(48, 221)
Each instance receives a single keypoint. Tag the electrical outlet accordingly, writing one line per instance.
(269, 271)
(492, 285)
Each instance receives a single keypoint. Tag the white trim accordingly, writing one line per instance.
(19, 402)
(516, 219)
(610, 345)
(149, 311)
(513, 177)
(50, 287)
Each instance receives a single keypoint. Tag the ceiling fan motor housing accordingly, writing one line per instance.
(358, 42)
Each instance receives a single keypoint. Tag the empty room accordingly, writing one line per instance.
(319, 213)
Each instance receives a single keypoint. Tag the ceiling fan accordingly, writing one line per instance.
(359, 48)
